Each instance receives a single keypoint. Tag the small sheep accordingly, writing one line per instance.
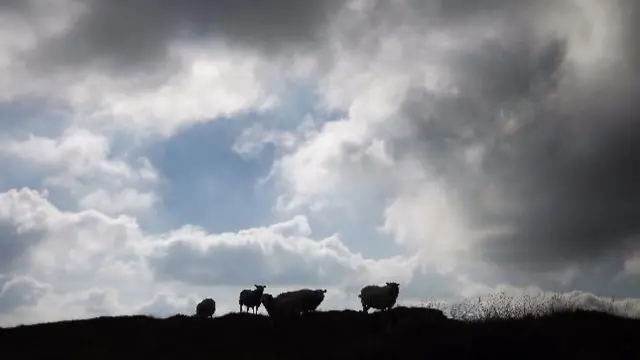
(308, 300)
(251, 298)
(206, 308)
(379, 297)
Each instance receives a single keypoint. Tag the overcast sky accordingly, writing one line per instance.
(158, 152)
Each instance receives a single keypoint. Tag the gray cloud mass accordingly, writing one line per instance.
(569, 169)
(134, 34)
(567, 175)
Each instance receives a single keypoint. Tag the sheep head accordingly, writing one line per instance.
(394, 288)
(393, 285)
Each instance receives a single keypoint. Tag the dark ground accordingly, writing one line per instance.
(402, 333)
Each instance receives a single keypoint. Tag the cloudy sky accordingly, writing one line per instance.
(155, 153)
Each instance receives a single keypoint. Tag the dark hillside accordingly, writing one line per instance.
(399, 334)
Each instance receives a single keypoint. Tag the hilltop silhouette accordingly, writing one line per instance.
(400, 333)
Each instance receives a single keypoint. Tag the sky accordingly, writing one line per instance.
(156, 153)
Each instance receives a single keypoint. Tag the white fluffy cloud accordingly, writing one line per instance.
(80, 162)
(193, 83)
(207, 85)
(86, 263)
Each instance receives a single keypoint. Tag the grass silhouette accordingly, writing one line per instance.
(401, 333)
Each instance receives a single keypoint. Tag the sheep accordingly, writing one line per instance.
(379, 297)
(280, 309)
(251, 298)
(308, 300)
(206, 308)
(291, 304)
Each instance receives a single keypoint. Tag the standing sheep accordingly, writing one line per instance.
(206, 308)
(307, 300)
(379, 297)
(251, 298)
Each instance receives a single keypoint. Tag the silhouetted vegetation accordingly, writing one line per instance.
(499, 328)
(505, 306)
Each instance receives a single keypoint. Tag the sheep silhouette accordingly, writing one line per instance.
(379, 297)
(251, 299)
(206, 308)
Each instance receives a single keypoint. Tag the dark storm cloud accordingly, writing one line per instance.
(15, 5)
(134, 33)
(569, 174)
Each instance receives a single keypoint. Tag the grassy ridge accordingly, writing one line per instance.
(398, 334)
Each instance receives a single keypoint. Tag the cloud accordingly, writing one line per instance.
(118, 203)
(20, 292)
(267, 255)
(252, 140)
(509, 130)
(632, 264)
(22, 217)
(69, 61)
(81, 162)
(77, 152)
(114, 33)
(207, 85)
(549, 154)
(89, 264)
(95, 264)
(168, 304)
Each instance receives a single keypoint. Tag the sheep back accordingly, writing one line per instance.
(303, 300)
(206, 308)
